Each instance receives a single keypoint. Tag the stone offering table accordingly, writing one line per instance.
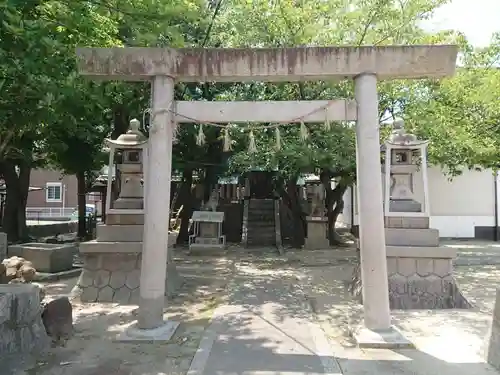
(317, 233)
(46, 257)
(207, 235)
(21, 327)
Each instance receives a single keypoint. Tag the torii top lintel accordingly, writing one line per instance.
(268, 64)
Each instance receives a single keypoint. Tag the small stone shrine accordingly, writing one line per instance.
(317, 222)
(420, 272)
(112, 263)
(207, 232)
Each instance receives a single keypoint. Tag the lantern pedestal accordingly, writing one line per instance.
(419, 271)
(112, 263)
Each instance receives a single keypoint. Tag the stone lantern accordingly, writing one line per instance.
(132, 147)
(405, 154)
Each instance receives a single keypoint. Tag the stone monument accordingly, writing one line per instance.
(112, 263)
(420, 272)
(317, 222)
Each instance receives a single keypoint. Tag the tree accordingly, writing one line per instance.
(461, 115)
(288, 23)
(48, 113)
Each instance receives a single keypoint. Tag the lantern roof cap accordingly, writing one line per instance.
(132, 138)
(399, 136)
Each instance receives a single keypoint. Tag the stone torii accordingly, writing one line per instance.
(365, 65)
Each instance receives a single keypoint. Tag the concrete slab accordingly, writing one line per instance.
(163, 333)
(387, 339)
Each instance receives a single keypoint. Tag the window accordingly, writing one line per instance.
(53, 192)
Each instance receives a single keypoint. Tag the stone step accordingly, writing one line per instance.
(252, 232)
(261, 243)
(261, 240)
(261, 230)
(261, 208)
(411, 237)
(406, 222)
(260, 224)
(118, 246)
(439, 252)
(110, 247)
(261, 234)
(265, 215)
(123, 233)
(124, 219)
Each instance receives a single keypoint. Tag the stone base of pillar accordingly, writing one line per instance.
(383, 339)
(419, 278)
(317, 234)
(161, 334)
(493, 344)
(115, 277)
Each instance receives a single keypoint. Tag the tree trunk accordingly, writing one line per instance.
(290, 197)
(334, 202)
(186, 197)
(208, 183)
(82, 209)
(12, 200)
(24, 186)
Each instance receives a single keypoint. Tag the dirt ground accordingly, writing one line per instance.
(92, 351)
(323, 274)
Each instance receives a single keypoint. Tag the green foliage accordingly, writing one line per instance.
(292, 23)
(461, 115)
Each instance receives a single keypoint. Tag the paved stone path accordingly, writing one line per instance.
(266, 328)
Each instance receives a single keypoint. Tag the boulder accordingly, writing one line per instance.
(57, 317)
(26, 272)
(15, 270)
(41, 290)
(13, 262)
(10, 273)
(2, 273)
(21, 327)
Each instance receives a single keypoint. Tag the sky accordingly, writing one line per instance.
(477, 19)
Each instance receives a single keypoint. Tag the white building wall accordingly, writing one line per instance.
(457, 206)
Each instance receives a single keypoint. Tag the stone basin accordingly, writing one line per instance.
(46, 257)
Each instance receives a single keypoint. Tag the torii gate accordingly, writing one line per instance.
(366, 65)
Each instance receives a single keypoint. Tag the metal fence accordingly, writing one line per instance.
(36, 213)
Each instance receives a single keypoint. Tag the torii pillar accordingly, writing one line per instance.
(365, 65)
